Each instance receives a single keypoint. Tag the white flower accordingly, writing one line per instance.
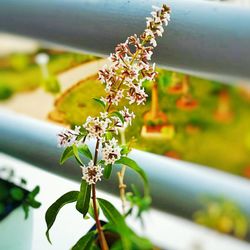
(104, 115)
(136, 95)
(128, 116)
(153, 42)
(96, 127)
(113, 97)
(111, 152)
(91, 173)
(67, 137)
(149, 32)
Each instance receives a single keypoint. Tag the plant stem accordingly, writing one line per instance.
(123, 79)
(96, 151)
(101, 236)
(121, 174)
(122, 187)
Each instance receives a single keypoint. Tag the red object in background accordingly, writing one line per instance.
(176, 89)
(186, 103)
(173, 154)
(246, 172)
(155, 128)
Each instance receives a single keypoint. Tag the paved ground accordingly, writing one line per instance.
(38, 103)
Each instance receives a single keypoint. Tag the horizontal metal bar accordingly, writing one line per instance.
(176, 186)
(206, 38)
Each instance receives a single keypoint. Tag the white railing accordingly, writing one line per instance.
(176, 186)
(207, 38)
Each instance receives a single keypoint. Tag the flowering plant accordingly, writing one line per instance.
(123, 79)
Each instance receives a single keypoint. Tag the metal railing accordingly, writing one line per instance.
(206, 38)
(176, 186)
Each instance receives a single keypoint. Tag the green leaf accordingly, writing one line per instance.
(119, 115)
(85, 242)
(2, 208)
(17, 193)
(133, 165)
(23, 181)
(83, 130)
(118, 225)
(67, 153)
(125, 149)
(94, 247)
(140, 242)
(137, 200)
(117, 246)
(113, 216)
(82, 204)
(91, 209)
(84, 150)
(35, 204)
(109, 136)
(76, 154)
(30, 200)
(100, 102)
(53, 210)
(26, 209)
(107, 171)
(34, 192)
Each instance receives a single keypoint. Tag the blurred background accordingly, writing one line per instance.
(194, 130)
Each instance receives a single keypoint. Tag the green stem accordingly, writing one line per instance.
(121, 174)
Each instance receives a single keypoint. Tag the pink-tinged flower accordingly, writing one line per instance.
(148, 72)
(67, 137)
(96, 127)
(128, 116)
(130, 62)
(122, 49)
(108, 76)
(91, 173)
(111, 152)
(136, 95)
(135, 41)
(146, 54)
(113, 97)
(160, 17)
(131, 72)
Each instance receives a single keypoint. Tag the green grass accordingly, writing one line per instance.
(220, 145)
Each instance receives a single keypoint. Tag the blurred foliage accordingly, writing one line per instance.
(199, 137)
(19, 62)
(224, 216)
(138, 202)
(12, 195)
(5, 91)
(19, 72)
(51, 85)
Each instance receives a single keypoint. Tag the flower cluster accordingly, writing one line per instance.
(123, 79)
(160, 17)
(130, 62)
(67, 138)
(127, 116)
(111, 152)
(91, 173)
(96, 127)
